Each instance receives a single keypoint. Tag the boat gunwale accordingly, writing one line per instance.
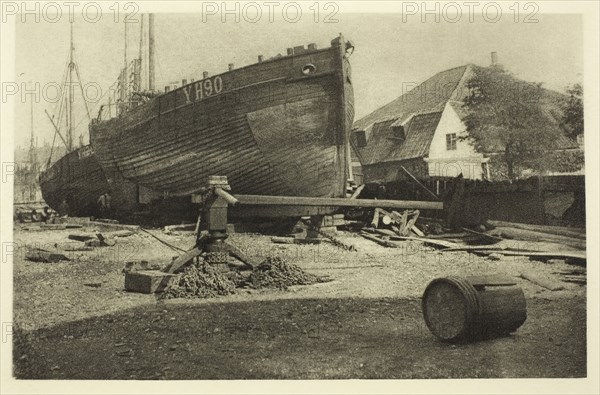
(272, 60)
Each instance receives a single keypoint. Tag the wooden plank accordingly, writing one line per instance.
(80, 237)
(339, 202)
(377, 240)
(491, 280)
(358, 191)
(375, 220)
(581, 255)
(417, 231)
(419, 184)
(410, 223)
(434, 242)
(485, 236)
(529, 235)
(578, 233)
(542, 281)
(183, 259)
(282, 240)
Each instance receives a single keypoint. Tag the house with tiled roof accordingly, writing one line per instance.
(424, 132)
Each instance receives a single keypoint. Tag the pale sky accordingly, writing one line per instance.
(389, 53)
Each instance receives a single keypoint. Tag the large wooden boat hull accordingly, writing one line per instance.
(279, 127)
(78, 179)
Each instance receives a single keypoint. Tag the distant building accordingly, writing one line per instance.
(424, 131)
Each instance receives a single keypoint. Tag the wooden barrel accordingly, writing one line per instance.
(472, 308)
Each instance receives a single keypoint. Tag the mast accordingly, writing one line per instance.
(125, 79)
(151, 52)
(70, 96)
(140, 56)
(31, 122)
(32, 145)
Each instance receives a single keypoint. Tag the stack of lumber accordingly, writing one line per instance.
(538, 242)
(571, 237)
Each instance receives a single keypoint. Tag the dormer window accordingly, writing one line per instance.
(399, 132)
(360, 138)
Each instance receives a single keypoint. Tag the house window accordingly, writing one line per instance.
(451, 142)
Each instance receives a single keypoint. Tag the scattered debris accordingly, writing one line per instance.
(120, 233)
(105, 241)
(283, 240)
(576, 280)
(541, 281)
(101, 241)
(485, 236)
(134, 266)
(109, 226)
(494, 256)
(107, 220)
(76, 247)
(80, 237)
(53, 226)
(578, 233)
(577, 255)
(379, 241)
(439, 243)
(180, 228)
(530, 235)
(40, 255)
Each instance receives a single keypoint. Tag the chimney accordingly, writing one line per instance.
(230, 66)
(494, 58)
(204, 74)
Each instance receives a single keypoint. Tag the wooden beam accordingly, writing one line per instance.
(436, 197)
(250, 200)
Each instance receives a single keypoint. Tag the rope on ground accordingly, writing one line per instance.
(164, 242)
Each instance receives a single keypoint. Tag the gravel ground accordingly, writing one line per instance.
(337, 329)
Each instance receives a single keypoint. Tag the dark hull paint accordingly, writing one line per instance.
(271, 130)
(79, 179)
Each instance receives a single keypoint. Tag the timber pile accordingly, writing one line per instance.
(495, 239)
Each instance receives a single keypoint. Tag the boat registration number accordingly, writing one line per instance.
(85, 151)
(203, 89)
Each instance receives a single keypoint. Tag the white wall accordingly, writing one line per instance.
(465, 160)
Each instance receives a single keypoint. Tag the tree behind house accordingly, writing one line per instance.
(573, 111)
(506, 116)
